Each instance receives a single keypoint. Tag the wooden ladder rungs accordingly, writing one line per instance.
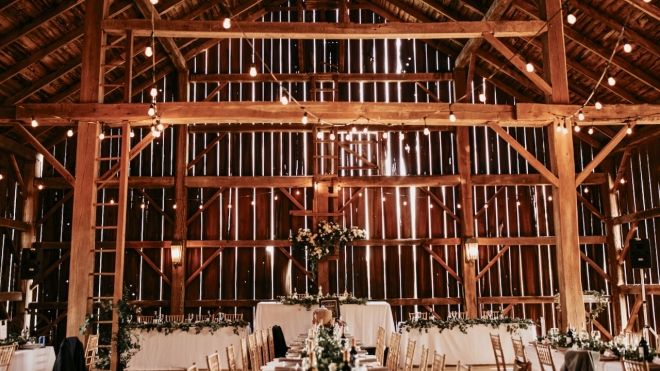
(104, 322)
(107, 251)
(108, 158)
(102, 274)
(103, 227)
(106, 204)
(98, 298)
(113, 85)
(112, 136)
(325, 156)
(121, 64)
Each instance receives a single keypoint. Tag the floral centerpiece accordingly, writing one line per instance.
(620, 346)
(323, 241)
(308, 300)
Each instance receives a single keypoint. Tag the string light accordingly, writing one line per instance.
(629, 129)
(458, 206)
(174, 206)
(623, 181)
(40, 187)
(148, 51)
(332, 136)
(581, 115)
(319, 135)
(101, 135)
(69, 133)
(598, 105)
(427, 131)
(152, 110)
(627, 47)
(482, 97)
(402, 136)
(253, 70)
(284, 99)
(34, 122)
(153, 92)
(550, 198)
(226, 23)
(365, 130)
(353, 129)
(131, 134)
(586, 189)
(160, 126)
(611, 81)
(529, 67)
(591, 130)
(153, 2)
(452, 117)
(385, 135)
(305, 119)
(571, 19)
(576, 128)
(2, 176)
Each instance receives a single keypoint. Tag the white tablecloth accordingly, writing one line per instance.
(473, 348)
(41, 359)
(558, 359)
(181, 348)
(362, 320)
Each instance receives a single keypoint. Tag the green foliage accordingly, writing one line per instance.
(512, 324)
(169, 327)
(328, 350)
(308, 301)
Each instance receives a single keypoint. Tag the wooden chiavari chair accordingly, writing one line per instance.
(424, 359)
(521, 362)
(380, 346)
(271, 344)
(6, 354)
(145, 319)
(438, 361)
(213, 361)
(260, 348)
(629, 365)
(255, 353)
(410, 352)
(265, 353)
(192, 368)
(231, 358)
(91, 351)
(233, 317)
(245, 354)
(460, 367)
(393, 353)
(545, 356)
(173, 318)
(418, 315)
(499, 353)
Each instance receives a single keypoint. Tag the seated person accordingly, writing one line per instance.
(323, 317)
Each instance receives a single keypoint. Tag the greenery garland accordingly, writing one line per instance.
(616, 348)
(308, 301)
(512, 324)
(328, 350)
(322, 243)
(198, 327)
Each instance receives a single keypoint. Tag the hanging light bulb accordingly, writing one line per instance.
(529, 67)
(149, 51)
(598, 105)
(304, 119)
(332, 136)
(629, 129)
(353, 129)
(132, 134)
(152, 110)
(34, 122)
(156, 133)
(2, 176)
(627, 47)
(160, 126)
(69, 133)
(427, 131)
(452, 117)
(153, 92)
(564, 129)
(319, 135)
(558, 127)
(591, 130)
(365, 130)
(153, 129)
(611, 81)
(226, 23)
(284, 99)
(385, 135)
(571, 19)
(581, 115)
(253, 70)
(101, 136)
(482, 97)
(577, 128)
(153, 2)
(402, 136)
(348, 136)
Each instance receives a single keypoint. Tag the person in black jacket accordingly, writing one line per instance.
(71, 356)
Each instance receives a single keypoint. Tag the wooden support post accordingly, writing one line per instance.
(120, 243)
(614, 247)
(28, 236)
(563, 164)
(181, 201)
(128, 69)
(84, 196)
(467, 219)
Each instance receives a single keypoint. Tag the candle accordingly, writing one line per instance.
(542, 320)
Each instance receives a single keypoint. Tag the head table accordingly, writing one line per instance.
(180, 349)
(558, 357)
(363, 320)
(40, 359)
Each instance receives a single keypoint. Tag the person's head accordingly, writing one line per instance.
(322, 316)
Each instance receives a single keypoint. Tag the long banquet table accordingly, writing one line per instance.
(40, 359)
(559, 355)
(362, 320)
(180, 349)
(473, 348)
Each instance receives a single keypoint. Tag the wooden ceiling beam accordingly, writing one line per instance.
(298, 30)
(494, 13)
(10, 145)
(43, 82)
(43, 18)
(606, 150)
(615, 25)
(5, 4)
(385, 114)
(322, 77)
(645, 7)
(640, 215)
(148, 10)
(52, 160)
(14, 224)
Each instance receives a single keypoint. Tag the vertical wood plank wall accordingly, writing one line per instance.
(236, 277)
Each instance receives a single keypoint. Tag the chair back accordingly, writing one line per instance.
(629, 365)
(545, 356)
(271, 344)
(417, 315)
(380, 345)
(145, 319)
(438, 361)
(499, 353)
(424, 359)
(254, 352)
(245, 360)
(213, 361)
(265, 352)
(233, 317)
(192, 368)
(460, 367)
(521, 362)
(393, 353)
(231, 358)
(410, 352)
(177, 318)
(6, 354)
(91, 351)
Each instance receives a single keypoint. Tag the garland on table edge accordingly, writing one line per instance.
(322, 243)
(169, 327)
(512, 324)
(586, 342)
(308, 301)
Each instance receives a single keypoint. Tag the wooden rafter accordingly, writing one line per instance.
(205, 206)
(44, 81)
(43, 275)
(346, 147)
(152, 203)
(215, 91)
(14, 224)
(621, 257)
(483, 207)
(595, 266)
(135, 151)
(590, 207)
(492, 261)
(17, 173)
(621, 170)
(634, 312)
(294, 261)
(288, 195)
(153, 265)
(354, 197)
(66, 197)
(536, 164)
(494, 13)
(439, 202)
(442, 262)
(47, 155)
(645, 7)
(209, 147)
(10, 145)
(148, 11)
(602, 329)
(206, 263)
(296, 30)
(323, 77)
(640, 215)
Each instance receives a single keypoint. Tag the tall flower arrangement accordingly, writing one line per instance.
(323, 241)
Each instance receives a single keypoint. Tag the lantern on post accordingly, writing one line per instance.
(176, 253)
(471, 249)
